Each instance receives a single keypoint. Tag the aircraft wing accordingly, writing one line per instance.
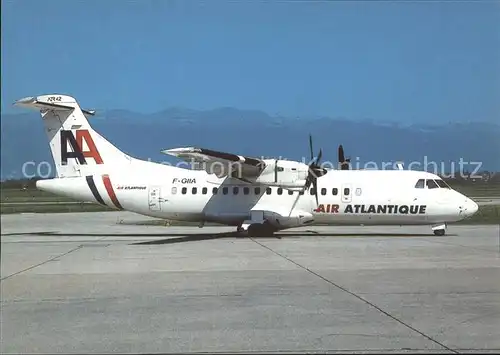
(219, 163)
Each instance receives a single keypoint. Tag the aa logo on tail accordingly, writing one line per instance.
(67, 138)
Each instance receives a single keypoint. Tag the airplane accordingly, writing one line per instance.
(257, 196)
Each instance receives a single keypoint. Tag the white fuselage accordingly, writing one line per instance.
(344, 197)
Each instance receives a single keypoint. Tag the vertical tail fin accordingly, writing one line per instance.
(76, 148)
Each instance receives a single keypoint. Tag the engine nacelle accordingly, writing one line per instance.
(283, 173)
(295, 219)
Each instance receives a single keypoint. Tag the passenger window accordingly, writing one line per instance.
(224, 190)
(214, 191)
(235, 190)
(184, 190)
(290, 192)
(194, 190)
(358, 192)
(323, 191)
(204, 191)
(268, 191)
(431, 184)
(246, 190)
(301, 192)
(280, 190)
(420, 184)
(313, 191)
(257, 190)
(346, 191)
(335, 191)
(174, 190)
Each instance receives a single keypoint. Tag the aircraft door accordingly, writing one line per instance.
(346, 193)
(154, 198)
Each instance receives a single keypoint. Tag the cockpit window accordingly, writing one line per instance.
(442, 184)
(431, 184)
(420, 184)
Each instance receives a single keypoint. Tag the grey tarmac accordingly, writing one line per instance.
(93, 282)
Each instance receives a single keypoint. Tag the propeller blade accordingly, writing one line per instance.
(308, 182)
(311, 146)
(344, 163)
(315, 187)
(341, 154)
(347, 161)
(321, 171)
(314, 170)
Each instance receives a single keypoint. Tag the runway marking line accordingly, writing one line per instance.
(42, 263)
(358, 297)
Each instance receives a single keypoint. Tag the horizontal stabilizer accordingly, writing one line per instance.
(51, 102)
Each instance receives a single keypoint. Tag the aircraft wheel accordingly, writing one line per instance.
(259, 230)
(240, 232)
(439, 232)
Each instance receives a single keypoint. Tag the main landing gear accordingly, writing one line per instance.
(439, 229)
(257, 230)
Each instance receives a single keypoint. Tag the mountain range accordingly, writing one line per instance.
(255, 133)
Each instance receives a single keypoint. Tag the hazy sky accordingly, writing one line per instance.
(420, 61)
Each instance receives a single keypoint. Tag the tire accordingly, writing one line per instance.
(439, 232)
(259, 230)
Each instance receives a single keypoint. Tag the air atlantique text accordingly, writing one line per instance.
(377, 209)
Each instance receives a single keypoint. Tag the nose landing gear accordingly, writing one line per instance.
(439, 232)
(439, 229)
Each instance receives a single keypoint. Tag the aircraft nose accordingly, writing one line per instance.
(471, 207)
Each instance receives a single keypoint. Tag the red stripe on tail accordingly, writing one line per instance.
(111, 192)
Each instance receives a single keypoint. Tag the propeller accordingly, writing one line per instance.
(315, 170)
(344, 163)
